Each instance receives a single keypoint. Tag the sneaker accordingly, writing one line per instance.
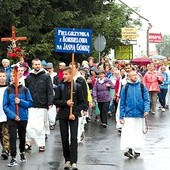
(88, 119)
(129, 153)
(74, 166)
(110, 114)
(13, 162)
(163, 109)
(119, 130)
(136, 154)
(67, 165)
(5, 154)
(52, 127)
(42, 149)
(104, 125)
(22, 158)
(27, 147)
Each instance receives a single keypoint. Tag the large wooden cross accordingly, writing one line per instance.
(13, 39)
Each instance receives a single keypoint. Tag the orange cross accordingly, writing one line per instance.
(13, 38)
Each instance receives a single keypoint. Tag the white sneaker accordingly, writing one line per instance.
(74, 166)
(13, 162)
(163, 109)
(67, 165)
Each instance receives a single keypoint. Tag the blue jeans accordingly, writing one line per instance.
(111, 106)
(162, 97)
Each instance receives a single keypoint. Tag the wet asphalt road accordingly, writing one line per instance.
(100, 150)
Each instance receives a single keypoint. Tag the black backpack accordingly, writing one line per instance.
(141, 87)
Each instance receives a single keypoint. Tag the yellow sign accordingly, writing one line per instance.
(129, 33)
(124, 52)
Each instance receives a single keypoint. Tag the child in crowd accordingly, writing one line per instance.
(67, 120)
(17, 121)
(4, 131)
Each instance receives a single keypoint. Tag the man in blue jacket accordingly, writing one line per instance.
(134, 106)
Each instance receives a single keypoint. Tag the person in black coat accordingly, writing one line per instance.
(63, 102)
(40, 85)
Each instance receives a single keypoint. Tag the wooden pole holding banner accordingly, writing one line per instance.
(63, 45)
(72, 85)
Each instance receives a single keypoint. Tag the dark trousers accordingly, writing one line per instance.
(162, 97)
(103, 107)
(13, 127)
(115, 104)
(69, 150)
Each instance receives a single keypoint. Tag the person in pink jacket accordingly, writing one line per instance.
(152, 79)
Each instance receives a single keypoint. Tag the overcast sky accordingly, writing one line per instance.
(158, 13)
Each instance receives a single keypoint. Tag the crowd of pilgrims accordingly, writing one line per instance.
(101, 91)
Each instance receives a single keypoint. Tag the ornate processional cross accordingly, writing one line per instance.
(13, 39)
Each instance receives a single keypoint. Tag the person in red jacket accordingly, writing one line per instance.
(60, 71)
(151, 80)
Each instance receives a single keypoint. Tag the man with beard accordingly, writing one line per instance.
(134, 106)
(40, 85)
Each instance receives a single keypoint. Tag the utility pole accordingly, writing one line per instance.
(149, 26)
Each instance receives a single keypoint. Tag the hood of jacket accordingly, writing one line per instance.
(41, 71)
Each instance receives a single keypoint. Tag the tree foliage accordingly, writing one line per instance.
(164, 47)
(37, 20)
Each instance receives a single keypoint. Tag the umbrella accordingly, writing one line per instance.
(141, 61)
(157, 57)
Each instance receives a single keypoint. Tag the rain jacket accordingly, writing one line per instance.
(9, 106)
(133, 104)
(165, 82)
(101, 93)
(41, 88)
(61, 97)
(151, 80)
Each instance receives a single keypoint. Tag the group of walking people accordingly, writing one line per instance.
(118, 89)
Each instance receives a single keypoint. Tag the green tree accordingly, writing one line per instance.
(37, 19)
(164, 47)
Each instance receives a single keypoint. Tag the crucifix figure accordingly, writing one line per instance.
(13, 39)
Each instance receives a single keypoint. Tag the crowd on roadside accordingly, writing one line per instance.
(103, 89)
